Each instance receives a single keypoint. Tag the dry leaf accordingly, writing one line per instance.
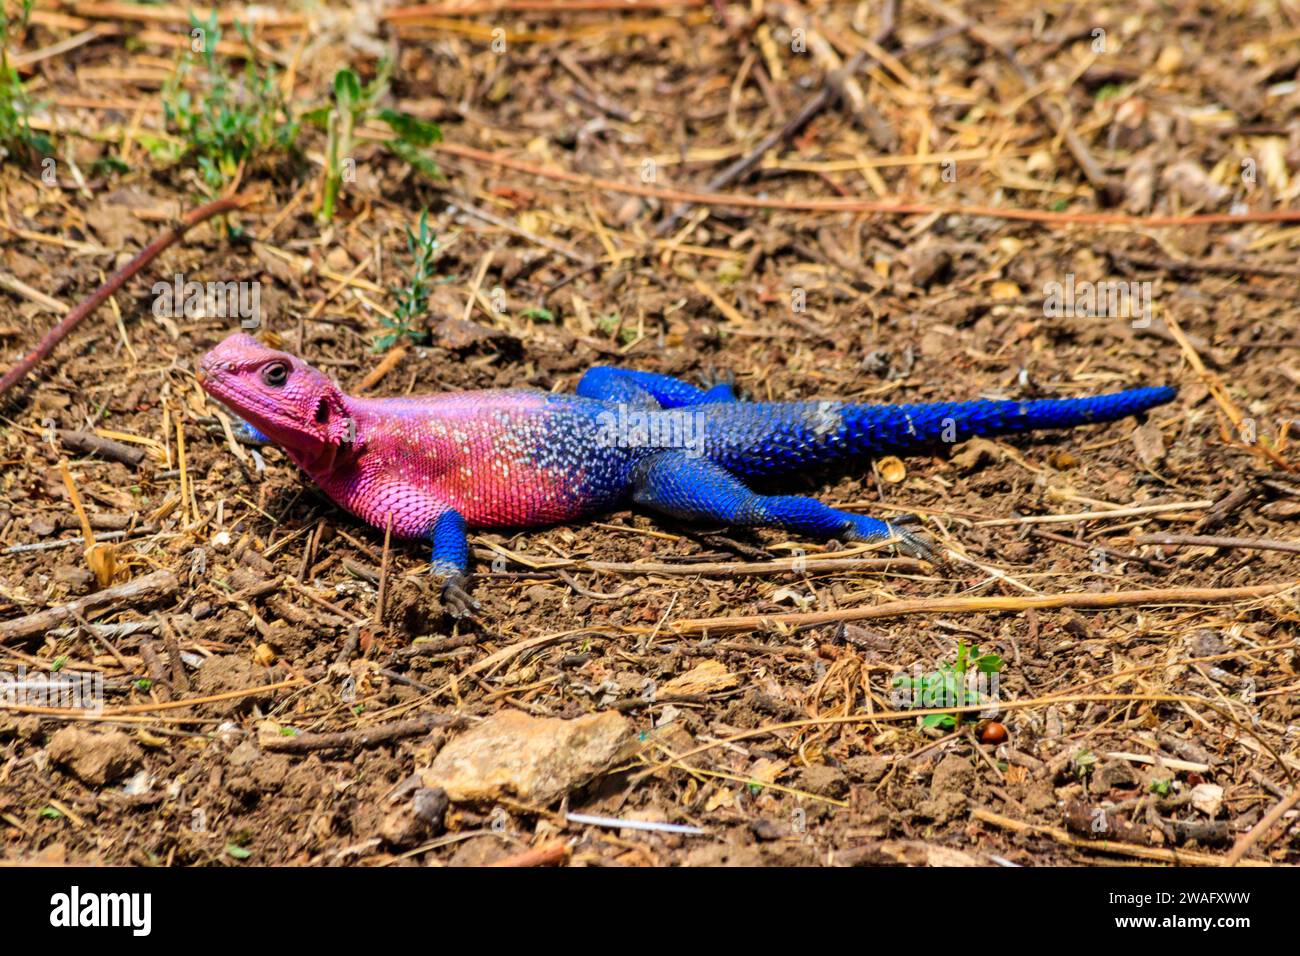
(705, 677)
(800, 600)
(101, 558)
(891, 469)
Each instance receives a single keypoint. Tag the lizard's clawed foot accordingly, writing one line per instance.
(456, 600)
(913, 544)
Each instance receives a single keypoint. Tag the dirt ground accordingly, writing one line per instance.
(1162, 731)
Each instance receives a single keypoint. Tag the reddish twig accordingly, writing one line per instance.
(115, 282)
(547, 854)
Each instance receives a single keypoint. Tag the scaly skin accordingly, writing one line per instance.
(435, 465)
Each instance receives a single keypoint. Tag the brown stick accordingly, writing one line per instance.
(88, 443)
(116, 281)
(1217, 541)
(1262, 827)
(1185, 857)
(965, 605)
(151, 587)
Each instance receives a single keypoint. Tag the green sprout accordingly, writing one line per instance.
(412, 298)
(948, 686)
(224, 124)
(344, 121)
(16, 136)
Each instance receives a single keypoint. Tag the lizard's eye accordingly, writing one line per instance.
(322, 412)
(275, 374)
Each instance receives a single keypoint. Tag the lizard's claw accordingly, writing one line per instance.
(456, 599)
(912, 544)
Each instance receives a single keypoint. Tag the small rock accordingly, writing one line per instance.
(1208, 798)
(534, 759)
(867, 768)
(1114, 775)
(95, 757)
(928, 263)
(1149, 442)
(415, 820)
(942, 808)
(73, 578)
(953, 774)
(768, 830)
(1205, 642)
(28, 728)
(226, 672)
(824, 781)
(972, 454)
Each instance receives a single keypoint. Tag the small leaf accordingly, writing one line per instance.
(238, 852)
(410, 130)
(320, 116)
(891, 469)
(347, 88)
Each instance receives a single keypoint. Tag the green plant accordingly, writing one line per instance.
(948, 686)
(1083, 763)
(16, 136)
(412, 298)
(344, 119)
(222, 125)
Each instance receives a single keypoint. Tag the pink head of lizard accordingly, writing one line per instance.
(281, 396)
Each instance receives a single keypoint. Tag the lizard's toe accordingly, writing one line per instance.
(913, 544)
(456, 600)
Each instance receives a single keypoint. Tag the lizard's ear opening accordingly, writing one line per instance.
(322, 411)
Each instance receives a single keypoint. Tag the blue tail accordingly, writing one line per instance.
(767, 438)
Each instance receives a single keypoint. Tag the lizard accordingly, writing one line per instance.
(435, 466)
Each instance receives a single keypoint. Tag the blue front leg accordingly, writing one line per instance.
(246, 434)
(450, 561)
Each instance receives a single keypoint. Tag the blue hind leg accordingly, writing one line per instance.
(626, 385)
(693, 488)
